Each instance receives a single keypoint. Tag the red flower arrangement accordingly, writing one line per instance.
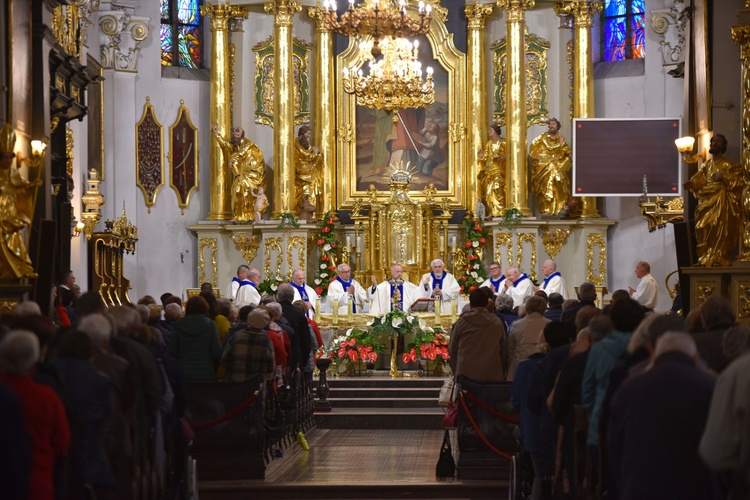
(432, 345)
(476, 237)
(328, 245)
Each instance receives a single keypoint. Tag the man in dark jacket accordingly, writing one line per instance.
(285, 296)
(477, 346)
(586, 297)
(651, 457)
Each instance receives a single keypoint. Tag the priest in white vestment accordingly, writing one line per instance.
(440, 284)
(553, 280)
(304, 292)
(238, 282)
(248, 294)
(392, 292)
(517, 285)
(345, 289)
(496, 281)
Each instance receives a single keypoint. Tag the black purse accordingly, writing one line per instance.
(446, 466)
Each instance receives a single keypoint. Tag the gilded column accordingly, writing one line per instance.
(324, 127)
(741, 36)
(583, 71)
(283, 104)
(477, 88)
(516, 188)
(220, 208)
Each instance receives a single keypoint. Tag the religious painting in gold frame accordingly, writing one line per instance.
(149, 154)
(536, 79)
(183, 157)
(363, 150)
(264, 57)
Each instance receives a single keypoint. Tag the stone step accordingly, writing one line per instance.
(384, 392)
(366, 402)
(381, 418)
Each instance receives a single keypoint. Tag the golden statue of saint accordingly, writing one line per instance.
(16, 210)
(718, 187)
(307, 163)
(491, 161)
(249, 169)
(550, 169)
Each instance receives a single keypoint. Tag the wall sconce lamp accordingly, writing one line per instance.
(685, 146)
(38, 148)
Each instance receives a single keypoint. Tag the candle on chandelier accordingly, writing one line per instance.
(453, 243)
(348, 241)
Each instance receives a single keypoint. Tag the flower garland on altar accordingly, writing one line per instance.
(432, 345)
(476, 238)
(325, 240)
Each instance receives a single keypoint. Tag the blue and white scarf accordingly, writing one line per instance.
(548, 278)
(523, 277)
(496, 284)
(345, 285)
(301, 290)
(437, 282)
(400, 288)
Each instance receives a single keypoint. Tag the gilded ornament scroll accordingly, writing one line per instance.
(272, 246)
(149, 155)
(210, 243)
(247, 244)
(264, 86)
(297, 242)
(183, 157)
(596, 273)
(553, 240)
(504, 239)
(531, 239)
(536, 79)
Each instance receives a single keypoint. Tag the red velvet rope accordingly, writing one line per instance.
(229, 415)
(479, 433)
(494, 413)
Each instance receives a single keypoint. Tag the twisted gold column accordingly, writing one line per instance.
(583, 71)
(283, 105)
(741, 36)
(324, 128)
(220, 206)
(477, 90)
(516, 187)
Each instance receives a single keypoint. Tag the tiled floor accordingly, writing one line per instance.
(351, 456)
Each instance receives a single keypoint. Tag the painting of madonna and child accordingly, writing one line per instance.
(418, 138)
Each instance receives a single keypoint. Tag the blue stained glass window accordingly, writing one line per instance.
(623, 33)
(181, 33)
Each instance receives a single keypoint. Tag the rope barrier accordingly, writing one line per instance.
(494, 413)
(479, 433)
(229, 415)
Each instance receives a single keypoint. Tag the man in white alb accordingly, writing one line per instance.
(647, 293)
(248, 295)
(517, 285)
(304, 292)
(393, 293)
(440, 284)
(496, 279)
(553, 281)
(345, 289)
(238, 281)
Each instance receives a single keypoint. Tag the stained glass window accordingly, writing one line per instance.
(181, 33)
(623, 28)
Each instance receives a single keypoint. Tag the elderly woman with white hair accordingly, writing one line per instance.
(44, 413)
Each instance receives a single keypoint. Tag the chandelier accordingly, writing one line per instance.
(376, 20)
(396, 80)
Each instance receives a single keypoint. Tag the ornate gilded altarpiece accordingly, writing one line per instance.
(536, 79)
(183, 157)
(264, 57)
(368, 137)
(149, 154)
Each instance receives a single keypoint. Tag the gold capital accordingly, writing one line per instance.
(283, 11)
(582, 12)
(476, 14)
(515, 8)
(221, 14)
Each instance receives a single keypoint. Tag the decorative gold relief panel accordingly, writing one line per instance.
(149, 155)
(183, 157)
(272, 246)
(264, 56)
(742, 299)
(297, 242)
(596, 272)
(370, 140)
(210, 243)
(247, 244)
(553, 240)
(702, 290)
(504, 239)
(536, 79)
(531, 239)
